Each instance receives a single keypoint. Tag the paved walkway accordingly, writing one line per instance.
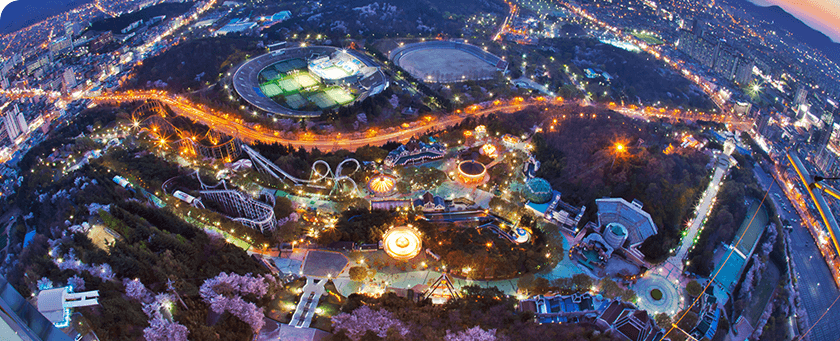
(702, 211)
(671, 300)
(305, 310)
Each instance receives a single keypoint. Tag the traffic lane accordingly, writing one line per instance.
(816, 285)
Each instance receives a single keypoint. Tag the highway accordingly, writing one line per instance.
(816, 283)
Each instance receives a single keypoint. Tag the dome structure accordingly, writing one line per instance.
(615, 234)
(538, 191)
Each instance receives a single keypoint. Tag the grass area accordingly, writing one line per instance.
(329, 305)
(762, 293)
(287, 300)
(656, 294)
(754, 227)
(648, 38)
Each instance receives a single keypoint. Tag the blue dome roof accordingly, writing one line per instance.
(538, 191)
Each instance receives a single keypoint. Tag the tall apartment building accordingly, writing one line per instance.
(15, 123)
(800, 96)
(69, 78)
(716, 55)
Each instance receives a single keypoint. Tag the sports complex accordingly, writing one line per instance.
(304, 81)
(447, 61)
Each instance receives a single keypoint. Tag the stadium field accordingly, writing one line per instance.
(334, 72)
(295, 101)
(339, 95)
(304, 79)
(270, 89)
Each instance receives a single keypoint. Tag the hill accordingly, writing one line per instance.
(22, 13)
(801, 31)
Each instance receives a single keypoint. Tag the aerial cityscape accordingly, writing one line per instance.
(470, 170)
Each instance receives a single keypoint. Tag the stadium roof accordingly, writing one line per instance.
(639, 224)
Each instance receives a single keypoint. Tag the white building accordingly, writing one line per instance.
(69, 78)
(55, 304)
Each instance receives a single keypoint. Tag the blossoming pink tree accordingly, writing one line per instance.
(364, 319)
(223, 293)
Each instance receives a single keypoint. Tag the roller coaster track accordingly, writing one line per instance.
(316, 177)
(240, 207)
(151, 117)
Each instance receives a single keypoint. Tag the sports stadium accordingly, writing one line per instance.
(447, 61)
(304, 81)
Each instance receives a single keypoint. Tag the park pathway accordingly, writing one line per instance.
(305, 310)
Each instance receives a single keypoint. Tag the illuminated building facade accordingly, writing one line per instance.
(471, 172)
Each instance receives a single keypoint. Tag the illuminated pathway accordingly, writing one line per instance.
(248, 132)
(702, 211)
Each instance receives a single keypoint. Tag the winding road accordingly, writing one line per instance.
(248, 132)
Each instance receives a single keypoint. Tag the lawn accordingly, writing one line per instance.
(648, 38)
(762, 293)
(330, 305)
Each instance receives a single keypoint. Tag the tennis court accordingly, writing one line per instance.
(321, 100)
(304, 79)
(295, 101)
(339, 95)
(289, 65)
(728, 273)
(270, 89)
(334, 72)
(289, 85)
(269, 74)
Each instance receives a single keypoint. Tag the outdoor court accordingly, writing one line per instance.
(339, 95)
(304, 79)
(445, 62)
(324, 263)
(300, 88)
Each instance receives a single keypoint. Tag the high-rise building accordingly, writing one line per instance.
(744, 71)
(800, 96)
(61, 45)
(15, 123)
(69, 78)
(11, 126)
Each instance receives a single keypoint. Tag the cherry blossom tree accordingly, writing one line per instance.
(224, 291)
(135, 289)
(165, 330)
(472, 334)
(365, 319)
(76, 282)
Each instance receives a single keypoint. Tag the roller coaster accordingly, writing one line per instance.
(316, 178)
(240, 207)
(152, 117)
